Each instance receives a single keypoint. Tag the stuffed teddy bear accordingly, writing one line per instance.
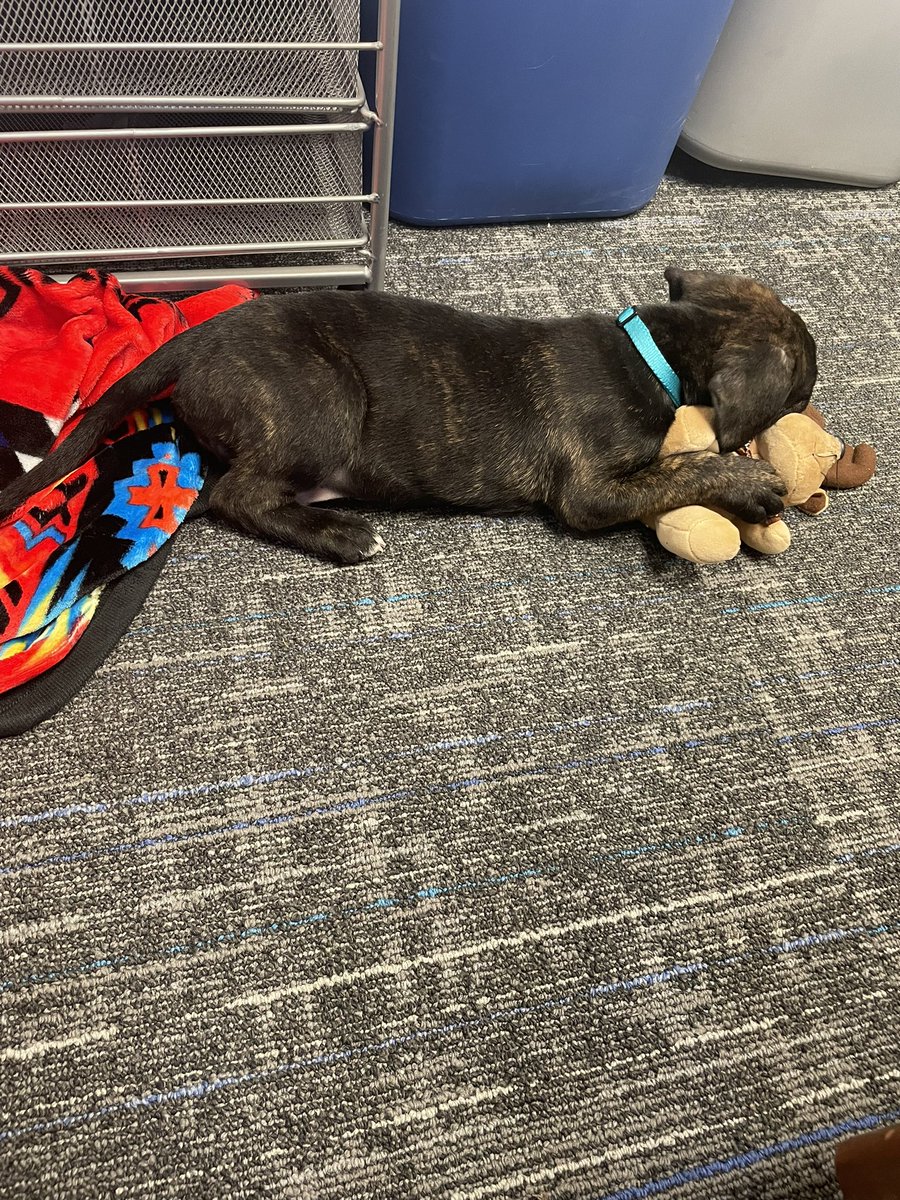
(805, 455)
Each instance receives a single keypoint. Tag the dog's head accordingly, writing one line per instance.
(752, 357)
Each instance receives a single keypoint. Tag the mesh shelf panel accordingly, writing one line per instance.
(97, 235)
(180, 21)
(240, 165)
(79, 118)
(187, 76)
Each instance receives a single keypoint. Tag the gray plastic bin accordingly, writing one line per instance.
(805, 88)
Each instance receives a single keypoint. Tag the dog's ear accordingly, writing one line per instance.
(750, 390)
(683, 283)
(675, 279)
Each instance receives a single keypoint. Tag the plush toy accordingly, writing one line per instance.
(805, 455)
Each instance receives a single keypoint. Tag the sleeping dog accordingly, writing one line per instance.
(403, 402)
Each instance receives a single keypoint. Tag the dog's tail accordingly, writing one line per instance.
(156, 372)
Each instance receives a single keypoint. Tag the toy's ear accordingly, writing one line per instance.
(814, 415)
(750, 391)
(817, 503)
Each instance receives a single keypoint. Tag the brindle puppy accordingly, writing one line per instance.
(404, 402)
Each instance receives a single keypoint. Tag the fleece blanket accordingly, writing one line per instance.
(61, 346)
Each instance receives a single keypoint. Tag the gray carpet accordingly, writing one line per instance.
(508, 865)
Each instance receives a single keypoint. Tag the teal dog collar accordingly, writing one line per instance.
(642, 340)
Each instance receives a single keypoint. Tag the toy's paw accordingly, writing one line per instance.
(698, 534)
(754, 492)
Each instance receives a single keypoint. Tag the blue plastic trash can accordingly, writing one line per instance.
(520, 109)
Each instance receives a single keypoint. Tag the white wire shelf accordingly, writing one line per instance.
(176, 132)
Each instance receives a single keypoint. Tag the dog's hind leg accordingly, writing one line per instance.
(268, 508)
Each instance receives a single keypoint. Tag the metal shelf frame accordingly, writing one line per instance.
(304, 206)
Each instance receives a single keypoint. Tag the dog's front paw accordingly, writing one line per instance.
(755, 491)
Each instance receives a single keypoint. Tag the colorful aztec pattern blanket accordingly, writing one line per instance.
(61, 346)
